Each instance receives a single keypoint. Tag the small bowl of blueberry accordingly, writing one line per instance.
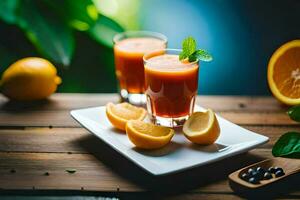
(257, 174)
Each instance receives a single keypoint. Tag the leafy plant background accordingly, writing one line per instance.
(73, 34)
(241, 36)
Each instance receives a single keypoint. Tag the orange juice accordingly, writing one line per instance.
(129, 66)
(171, 86)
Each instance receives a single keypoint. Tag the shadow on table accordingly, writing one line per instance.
(177, 182)
(169, 184)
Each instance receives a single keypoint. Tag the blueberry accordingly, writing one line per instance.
(260, 170)
(278, 169)
(257, 175)
(251, 170)
(279, 173)
(267, 175)
(253, 180)
(271, 170)
(245, 176)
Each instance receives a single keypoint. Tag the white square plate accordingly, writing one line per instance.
(180, 154)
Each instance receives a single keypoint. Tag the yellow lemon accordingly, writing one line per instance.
(120, 114)
(148, 136)
(284, 73)
(202, 128)
(30, 78)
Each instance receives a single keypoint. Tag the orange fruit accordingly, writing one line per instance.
(29, 78)
(120, 114)
(202, 128)
(148, 136)
(284, 73)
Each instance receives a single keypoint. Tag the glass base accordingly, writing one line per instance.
(133, 98)
(169, 122)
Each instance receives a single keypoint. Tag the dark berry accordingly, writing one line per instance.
(279, 173)
(260, 170)
(253, 180)
(278, 169)
(251, 170)
(268, 175)
(271, 170)
(257, 175)
(245, 176)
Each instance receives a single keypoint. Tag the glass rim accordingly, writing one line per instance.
(146, 60)
(153, 34)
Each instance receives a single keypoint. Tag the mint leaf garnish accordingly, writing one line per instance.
(190, 52)
(200, 55)
(189, 45)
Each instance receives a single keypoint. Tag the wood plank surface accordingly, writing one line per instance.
(76, 101)
(94, 175)
(55, 111)
(63, 118)
(69, 139)
(40, 137)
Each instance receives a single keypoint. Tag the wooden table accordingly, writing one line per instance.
(39, 141)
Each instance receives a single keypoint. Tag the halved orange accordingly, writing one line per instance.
(120, 114)
(284, 73)
(148, 136)
(202, 128)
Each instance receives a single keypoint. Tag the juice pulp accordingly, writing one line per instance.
(171, 85)
(129, 54)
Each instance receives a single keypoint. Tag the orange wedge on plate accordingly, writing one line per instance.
(120, 114)
(148, 136)
(284, 73)
(202, 128)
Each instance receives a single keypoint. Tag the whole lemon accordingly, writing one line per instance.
(30, 78)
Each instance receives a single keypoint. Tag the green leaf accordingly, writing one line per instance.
(189, 46)
(288, 145)
(294, 113)
(80, 14)
(8, 10)
(104, 30)
(48, 33)
(7, 57)
(200, 55)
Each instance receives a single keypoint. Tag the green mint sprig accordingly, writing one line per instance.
(190, 52)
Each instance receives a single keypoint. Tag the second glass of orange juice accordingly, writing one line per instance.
(171, 87)
(129, 49)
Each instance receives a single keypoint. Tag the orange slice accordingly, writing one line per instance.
(148, 136)
(284, 73)
(202, 128)
(119, 114)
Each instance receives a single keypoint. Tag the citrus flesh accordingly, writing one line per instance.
(284, 73)
(202, 128)
(148, 136)
(120, 114)
(29, 78)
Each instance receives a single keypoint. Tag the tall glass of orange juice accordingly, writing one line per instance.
(129, 49)
(171, 87)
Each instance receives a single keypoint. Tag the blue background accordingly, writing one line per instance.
(241, 35)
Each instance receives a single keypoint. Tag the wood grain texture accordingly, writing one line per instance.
(100, 172)
(55, 140)
(41, 137)
(76, 101)
(63, 118)
(55, 111)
